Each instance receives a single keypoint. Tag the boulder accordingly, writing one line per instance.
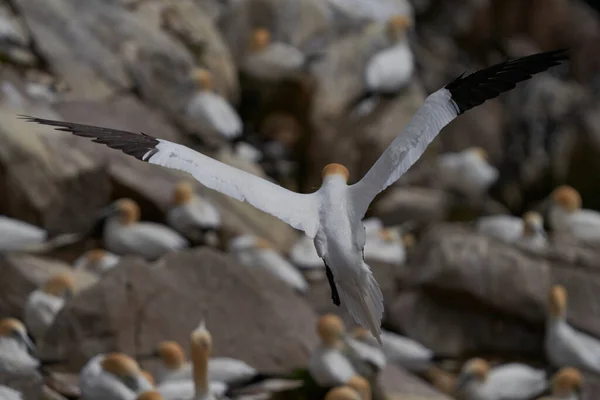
(250, 316)
(400, 384)
(469, 287)
(400, 204)
(152, 186)
(44, 180)
(29, 384)
(21, 274)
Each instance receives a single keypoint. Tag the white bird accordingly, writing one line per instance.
(191, 213)
(373, 10)
(124, 234)
(96, 261)
(527, 231)
(17, 235)
(384, 244)
(7, 393)
(211, 113)
(477, 381)
(43, 304)
(114, 376)
(467, 171)
(367, 360)
(15, 347)
(565, 346)
(199, 388)
(271, 61)
(390, 70)
(328, 365)
(304, 254)
(332, 215)
(221, 369)
(254, 252)
(566, 385)
(566, 215)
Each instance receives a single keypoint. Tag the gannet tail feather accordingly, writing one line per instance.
(364, 303)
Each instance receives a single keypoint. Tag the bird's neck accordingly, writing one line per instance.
(200, 366)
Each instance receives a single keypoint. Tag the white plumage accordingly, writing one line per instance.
(467, 172)
(391, 69)
(123, 234)
(7, 393)
(191, 212)
(255, 252)
(40, 310)
(16, 348)
(96, 261)
(185, 389)
(373, 10)
(19, 235)
(566, 215)
(406, 352)
(525, 232)
(332, 215)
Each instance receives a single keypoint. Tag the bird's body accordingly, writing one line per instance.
(254, 252)
(367, 360)
(332, 215)
(275, 62)
(526, 232)
(112, 377)
(191, 214)
(16, 348)
(185, 389)
(40, 310)
(7, 393)
(18, 235)
(96, 261)
(390, 70)
(467, 172)
(565, 346)
(406, 352)
(513, 381)
(214, 115)
(566, 215)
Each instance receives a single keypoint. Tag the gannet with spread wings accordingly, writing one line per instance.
(332, 215)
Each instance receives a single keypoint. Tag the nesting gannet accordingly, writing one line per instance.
(385, 245)
(191, 213)
(566, 385)
(220, 369)
(255, 252)
(7, 393)
(328, 365)
(527, 231)
(304, 254)
(373, 10)
(17, 235)
(389, 70)
(332, 215)
(467, 171)
(113, 376)
(566, 215)
(44, 303)
(565, 346)
(15, 347)
(96, 261)
(209, 111)
(124, 234)
(477, 381)
(343, 393)
(271, 61)
(367, 360)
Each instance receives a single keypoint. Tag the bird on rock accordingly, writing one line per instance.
(333, 215)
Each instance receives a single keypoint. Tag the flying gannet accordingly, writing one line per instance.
(332, 215)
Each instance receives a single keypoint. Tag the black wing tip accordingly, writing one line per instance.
(473, 89)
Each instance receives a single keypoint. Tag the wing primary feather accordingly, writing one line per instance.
(133, 144)
(473, 89)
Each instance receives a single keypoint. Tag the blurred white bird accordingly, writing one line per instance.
(367, 360)
(565, 346)
(304, 254)
(332, 215)
(221, 369)
(373, 10)
(114, 376)
(15, 347)
(566, 215)
(467, 172)
(210, 112)
(17, 235)
(272, 61)
(96, 261)
(124, 234)
(7, 393)
(566, 385)
(43, 304)
(527, 231)
(328, 365)
(389, 70)
(190, 213)
(254, 252)
(384, 244)
(477, 381)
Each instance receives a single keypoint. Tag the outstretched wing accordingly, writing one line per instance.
(439, 109)
(298, 210)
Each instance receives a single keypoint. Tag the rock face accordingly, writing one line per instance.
(474, 293)
(402, 385)
(30, 385)
(250, 316)
(21, 274)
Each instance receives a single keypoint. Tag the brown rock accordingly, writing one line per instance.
(21, 274)
(473, 287)
(401, 204)
(30, 384)
(250, 316)
(44, 181)
(402, 385)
